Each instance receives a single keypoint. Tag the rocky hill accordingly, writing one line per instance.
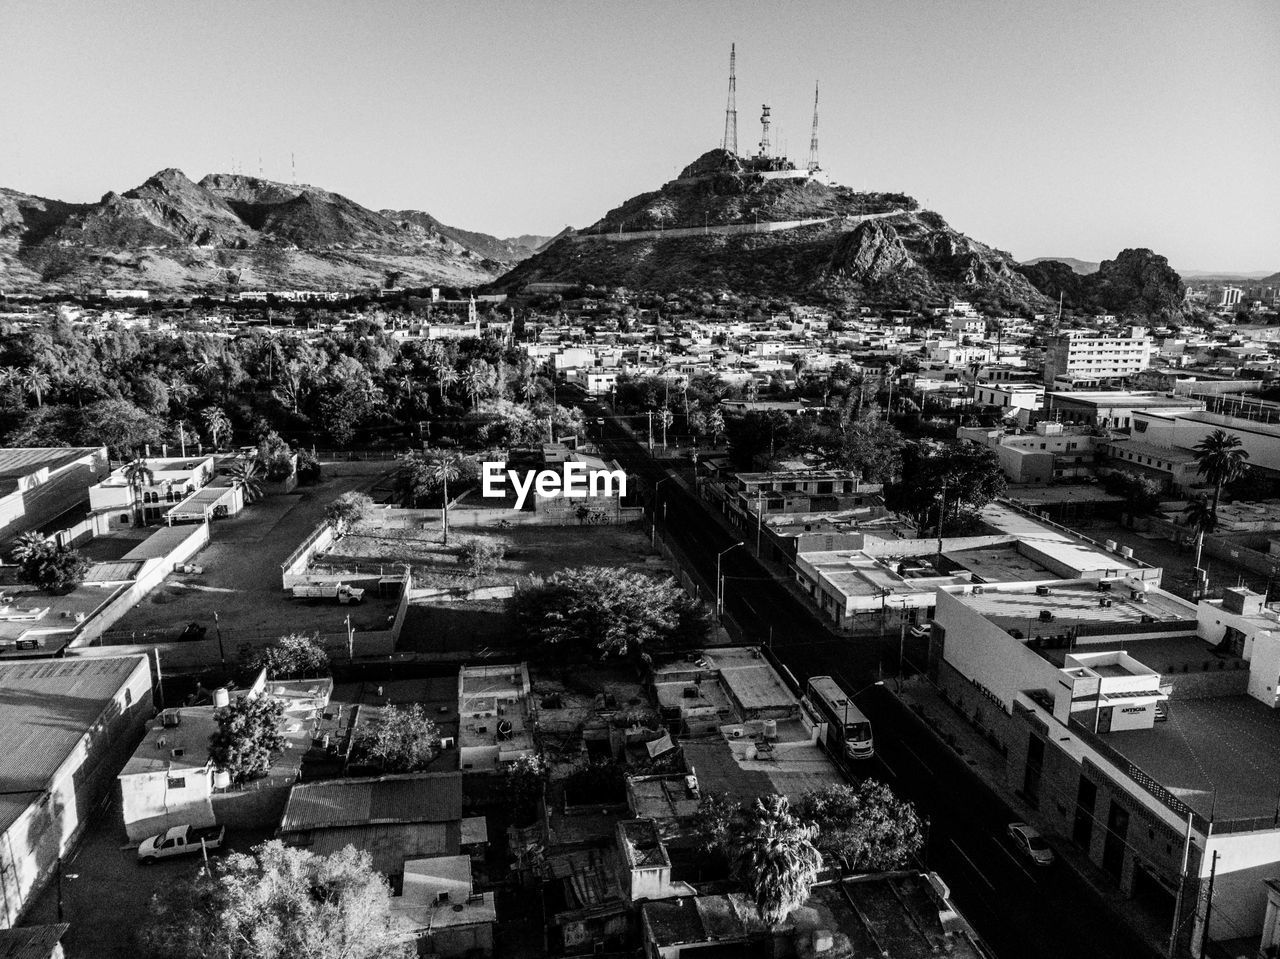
(1136, 283)
(869, 247)
(174, 235)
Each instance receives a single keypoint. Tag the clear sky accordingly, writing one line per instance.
(1043, 127)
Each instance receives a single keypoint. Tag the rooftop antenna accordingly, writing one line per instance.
(813, 137)
(259, 163)
(293, 168)
(730, 142)
(764, 127)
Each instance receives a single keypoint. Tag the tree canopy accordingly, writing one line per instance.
(48, 566)
(402, 739)
(290, 657)
(278, 903)
(248, 734)
(774, 856)
(970, 474)
(609, 613)
(866, 826)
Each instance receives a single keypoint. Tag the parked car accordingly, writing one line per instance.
(192, 631)
(1028, 841)
(180, 841)
(921, 631)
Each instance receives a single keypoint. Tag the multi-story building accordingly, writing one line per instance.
(38, 485)
(1083, 353)
(1051, 452)
(146, 495)
(495, 723)
(1142, 729)
(1231, 296)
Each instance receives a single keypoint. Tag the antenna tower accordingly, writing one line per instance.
(293, 168)
(764, 134)
(730, 142)
(813, 137)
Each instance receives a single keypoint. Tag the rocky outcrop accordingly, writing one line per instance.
(871, 254)
(1137, 283)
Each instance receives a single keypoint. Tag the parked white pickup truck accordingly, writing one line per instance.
(179, 841)
(340, 591)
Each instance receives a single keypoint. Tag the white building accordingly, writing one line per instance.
(168, 482)
(1088, 355)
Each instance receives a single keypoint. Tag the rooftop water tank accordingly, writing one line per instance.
(221, 697)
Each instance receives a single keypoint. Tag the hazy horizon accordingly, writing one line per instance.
(1045, 130)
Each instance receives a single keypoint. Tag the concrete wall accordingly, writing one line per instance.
(152, 575)
(1244, 862)
(293, 570)
(150, 807)
(985, 654)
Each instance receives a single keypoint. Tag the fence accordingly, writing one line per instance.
(395, 518)
(292, 570)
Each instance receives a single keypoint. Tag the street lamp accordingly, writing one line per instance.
(720, 580)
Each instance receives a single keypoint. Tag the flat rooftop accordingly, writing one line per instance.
(750, 678)
(1076, 604)
(1165, 654)
(1227, 747)
(854, 573)
(409, 798)
(1002, 563)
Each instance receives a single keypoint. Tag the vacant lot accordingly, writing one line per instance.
(241, 577)
(457, 626)
(530, 551)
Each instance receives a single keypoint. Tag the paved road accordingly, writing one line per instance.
(1023, 912)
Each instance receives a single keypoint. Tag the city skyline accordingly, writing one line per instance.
(1131, 125)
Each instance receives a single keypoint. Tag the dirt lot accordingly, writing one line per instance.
(530, 551)
(241, 578)
(485, 626)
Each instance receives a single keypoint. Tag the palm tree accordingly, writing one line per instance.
(432, 471)
(216, 422)
(1200, 517)
(35, 381)
(138, 475)
(476, 379)
(773, 854)
(247, 474)
(446, 376)
(1220, 458)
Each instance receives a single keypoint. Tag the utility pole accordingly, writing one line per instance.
(1182, 885)
(759, 518)
(1208, 903)
(942, 516)
(650, 415)
(222, 653)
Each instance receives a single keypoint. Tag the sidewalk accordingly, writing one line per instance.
(920, 696)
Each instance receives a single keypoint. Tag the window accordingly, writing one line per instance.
(124, 518)
(177, 782)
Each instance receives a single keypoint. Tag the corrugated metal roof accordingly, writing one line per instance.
(46, 708)
(24, 461)
(31, 942)
(415, 797)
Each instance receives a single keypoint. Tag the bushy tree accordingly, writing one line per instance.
(612, 613)
(290, 657)
(278, 903)
(867, 825)
(403, 739)
(970, 476)
(774, 856)
(248, 734)
(714, 822)
(480, 556)
(48, 566)
(348, 510)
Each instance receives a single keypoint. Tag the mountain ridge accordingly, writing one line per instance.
(174, 235)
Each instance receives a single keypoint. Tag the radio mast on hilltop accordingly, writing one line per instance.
(730, 142)
(764, 131)
(813, 137)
